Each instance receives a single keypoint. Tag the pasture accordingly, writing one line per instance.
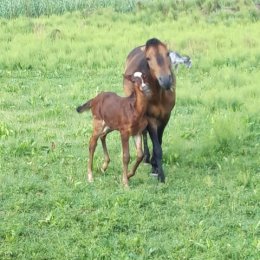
(209, 206)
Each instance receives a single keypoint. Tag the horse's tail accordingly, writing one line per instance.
(85, 106)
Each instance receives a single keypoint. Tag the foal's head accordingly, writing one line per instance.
(159, 63)
(140, 82)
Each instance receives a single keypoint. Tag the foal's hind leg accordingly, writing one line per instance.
(106, 155)
(140, 155)
(92, 146)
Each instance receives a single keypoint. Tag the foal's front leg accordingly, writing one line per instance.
(126, 157)
(139, 153)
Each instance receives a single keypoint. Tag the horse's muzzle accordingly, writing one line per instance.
(165, 81)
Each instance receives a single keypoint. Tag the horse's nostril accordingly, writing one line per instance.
(165, 81)
(170, 79)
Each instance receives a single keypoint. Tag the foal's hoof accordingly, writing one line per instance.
(90, 179)
(125, 185)
(103, 169)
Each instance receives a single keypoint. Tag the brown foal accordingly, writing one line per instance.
(125, 114)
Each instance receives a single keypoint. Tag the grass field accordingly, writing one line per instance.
(209, 206)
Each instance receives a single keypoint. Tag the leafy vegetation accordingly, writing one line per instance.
(209, 206)
(36, 8)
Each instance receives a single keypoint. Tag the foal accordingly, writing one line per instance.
(125, 114)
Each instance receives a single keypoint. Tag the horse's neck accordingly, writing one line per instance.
(160, 96)
(157, 92)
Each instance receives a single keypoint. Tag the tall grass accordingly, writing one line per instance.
(35, 8)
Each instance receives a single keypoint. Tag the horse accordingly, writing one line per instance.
(153, 59)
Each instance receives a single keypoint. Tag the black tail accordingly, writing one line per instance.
(85, 106)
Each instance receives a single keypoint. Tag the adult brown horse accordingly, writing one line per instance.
(153, 60)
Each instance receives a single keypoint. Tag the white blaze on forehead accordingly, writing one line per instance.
(138, 74)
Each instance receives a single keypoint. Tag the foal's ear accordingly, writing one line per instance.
(128, 77)
(144, 76)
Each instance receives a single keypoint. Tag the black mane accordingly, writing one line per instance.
(152, 42)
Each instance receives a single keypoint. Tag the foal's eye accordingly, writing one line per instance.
(147, 58)
(168, 54)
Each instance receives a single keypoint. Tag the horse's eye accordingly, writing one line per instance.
(168, 54)
(147, 58)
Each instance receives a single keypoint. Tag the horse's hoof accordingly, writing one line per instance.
(161, 178)
(146, 159)
(154, 172)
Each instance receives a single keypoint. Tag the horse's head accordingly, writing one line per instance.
(158, 60)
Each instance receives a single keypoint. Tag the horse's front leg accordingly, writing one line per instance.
(146, 158)
(156, 160)
(160, 130)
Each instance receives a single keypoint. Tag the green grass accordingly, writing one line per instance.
(209, 206)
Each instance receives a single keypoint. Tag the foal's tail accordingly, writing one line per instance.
(85, 106)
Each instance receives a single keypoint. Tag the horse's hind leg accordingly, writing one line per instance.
(106, 155)
(140, 155)
(146, 157)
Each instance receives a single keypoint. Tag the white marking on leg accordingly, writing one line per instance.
(105, 128)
